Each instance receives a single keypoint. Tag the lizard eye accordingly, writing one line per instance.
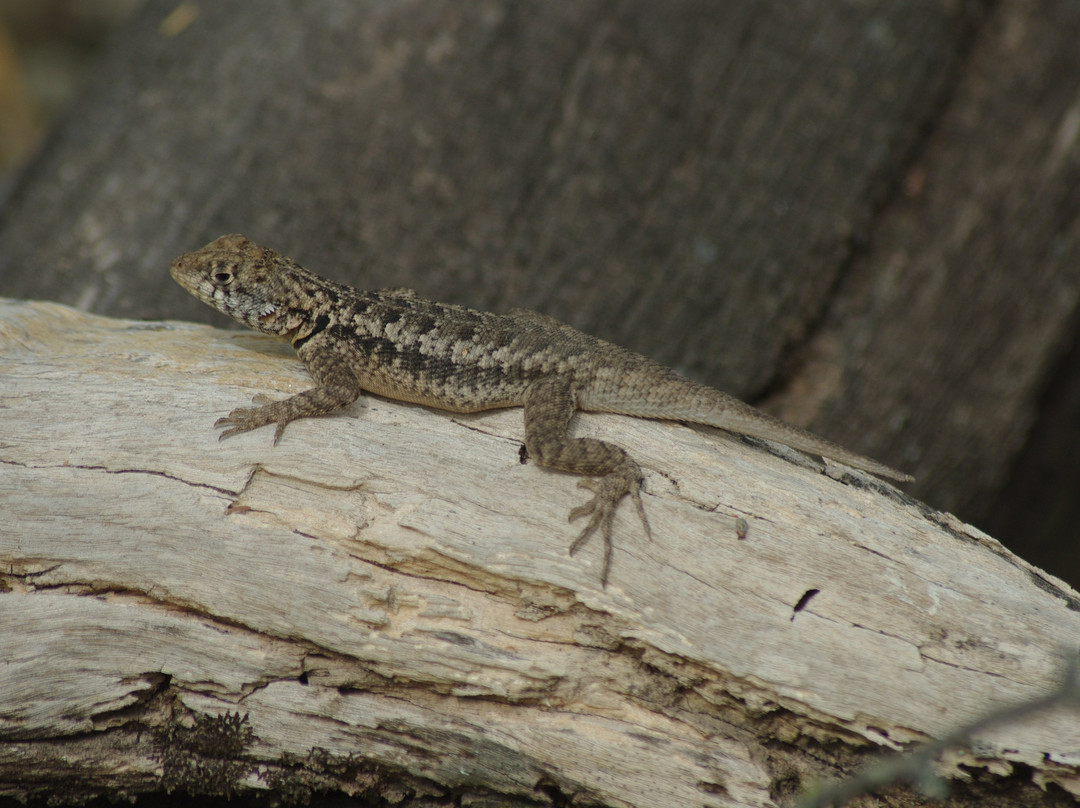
(223, 277)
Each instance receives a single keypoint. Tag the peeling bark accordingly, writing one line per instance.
(383, 604)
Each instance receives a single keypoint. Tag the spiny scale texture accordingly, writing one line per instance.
(398, 345)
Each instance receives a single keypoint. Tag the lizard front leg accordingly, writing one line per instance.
(549, 407)
(337, 387)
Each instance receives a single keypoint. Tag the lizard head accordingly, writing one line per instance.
(251, 284)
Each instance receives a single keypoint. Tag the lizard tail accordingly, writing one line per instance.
(742, 418)
(679, 399)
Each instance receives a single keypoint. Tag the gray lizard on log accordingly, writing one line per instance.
(396, 344)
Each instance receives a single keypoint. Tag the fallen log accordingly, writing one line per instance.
(383, 604)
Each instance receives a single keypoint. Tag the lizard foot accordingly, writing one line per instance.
(608, 491)
(244, 419)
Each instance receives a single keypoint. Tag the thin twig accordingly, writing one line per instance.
(917, 768)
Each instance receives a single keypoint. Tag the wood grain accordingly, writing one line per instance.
(387, 597)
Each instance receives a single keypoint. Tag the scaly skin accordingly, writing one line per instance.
(395, 344)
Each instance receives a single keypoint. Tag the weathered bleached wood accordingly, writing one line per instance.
(388, 599)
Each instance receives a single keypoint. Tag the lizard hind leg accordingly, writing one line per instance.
(549, 407)
(607, 492)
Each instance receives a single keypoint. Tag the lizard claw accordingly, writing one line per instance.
(607, 491)
(244, 419)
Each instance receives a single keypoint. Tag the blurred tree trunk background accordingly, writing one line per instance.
(860, 216)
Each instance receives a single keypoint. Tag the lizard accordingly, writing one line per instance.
(394, 343)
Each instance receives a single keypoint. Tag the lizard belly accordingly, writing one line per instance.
(452, 395)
